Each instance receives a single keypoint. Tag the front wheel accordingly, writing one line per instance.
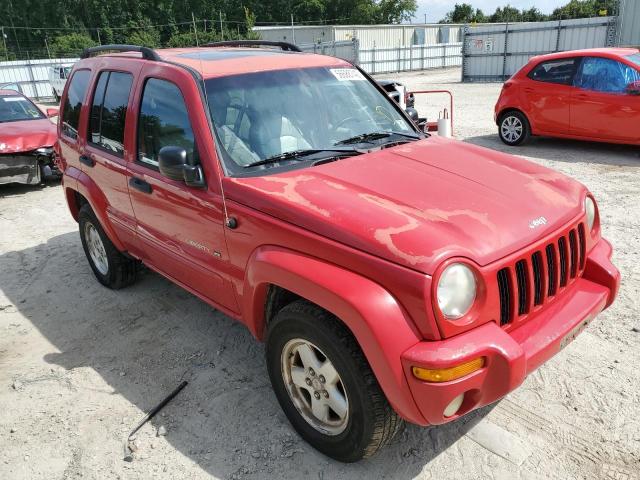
(514, 128)
(325, 385)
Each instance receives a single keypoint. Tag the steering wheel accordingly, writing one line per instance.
(345, 121)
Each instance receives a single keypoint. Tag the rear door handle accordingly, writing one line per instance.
(87, 160)
(140, 184)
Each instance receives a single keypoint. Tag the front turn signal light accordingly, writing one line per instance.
(438, 375)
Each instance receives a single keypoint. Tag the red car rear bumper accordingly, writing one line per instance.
(510, 357)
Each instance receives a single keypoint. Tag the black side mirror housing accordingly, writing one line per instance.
(413, 114)
(173, 164)
(633, 88)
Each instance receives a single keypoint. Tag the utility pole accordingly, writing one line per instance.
(425, 18)
(195, 29)
(4, 40)
(46, 44)
(293, 31)
(221, 27)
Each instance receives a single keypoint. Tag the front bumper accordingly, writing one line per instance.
(30, 168)
(510, 357)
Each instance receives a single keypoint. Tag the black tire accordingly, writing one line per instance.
(514, 137)
(121, 271)
(372, 423)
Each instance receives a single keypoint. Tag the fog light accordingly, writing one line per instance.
(447, 374)
(454, 406)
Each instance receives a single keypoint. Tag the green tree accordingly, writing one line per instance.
(464, 13)
(71, 44)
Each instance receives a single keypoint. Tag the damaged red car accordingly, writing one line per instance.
(27, 137)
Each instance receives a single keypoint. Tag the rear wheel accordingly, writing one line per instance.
(325, 385)
(514, 128)
(111, 267)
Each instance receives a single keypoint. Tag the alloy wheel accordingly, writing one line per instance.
(315, 387)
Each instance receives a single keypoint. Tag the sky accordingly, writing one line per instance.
(437, 9)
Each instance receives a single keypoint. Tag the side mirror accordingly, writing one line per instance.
(413, 114)
(172, 162)
(52, 112)
(633, 88)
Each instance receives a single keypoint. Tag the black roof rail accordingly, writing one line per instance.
(147, 53)
(287, 47)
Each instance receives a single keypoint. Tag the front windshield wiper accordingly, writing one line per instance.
(300, 154)
(368, 137)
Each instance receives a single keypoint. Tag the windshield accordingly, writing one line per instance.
(258, 116)
(15, 108)
(635, 58)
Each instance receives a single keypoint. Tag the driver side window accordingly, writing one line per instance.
(163, 121)
(605, 75)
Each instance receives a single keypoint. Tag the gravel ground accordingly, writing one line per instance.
(80, 364)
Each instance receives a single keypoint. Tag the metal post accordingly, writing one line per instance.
(99, 39)
(373, 59)
(399, 53)
(195, 29)
(221, 28)
(293, 31)
(46, 44)
(410, 57)
(558, 35)
(423, 59)
(506, 47)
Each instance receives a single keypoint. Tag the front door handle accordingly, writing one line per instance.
(140, 184)
(87, 160)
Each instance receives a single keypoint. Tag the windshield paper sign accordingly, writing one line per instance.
(346, 74)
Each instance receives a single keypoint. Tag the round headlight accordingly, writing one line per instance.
(456, 290)
(590, 208)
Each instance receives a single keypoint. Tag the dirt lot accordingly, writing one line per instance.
(79, 364)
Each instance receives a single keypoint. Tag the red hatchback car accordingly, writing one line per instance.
(392, 275)
(584, 94)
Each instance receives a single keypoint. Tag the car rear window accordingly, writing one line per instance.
(555, 71)
(109, 111)
(635, 58)
(73, 103)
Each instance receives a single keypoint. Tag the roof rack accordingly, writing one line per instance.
(147, 53)
(287, 47)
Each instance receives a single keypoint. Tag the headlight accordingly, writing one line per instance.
(456, 291)
(590, 208)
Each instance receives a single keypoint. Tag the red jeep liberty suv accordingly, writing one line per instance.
(392, 275)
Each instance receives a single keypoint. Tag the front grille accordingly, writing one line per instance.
(540, 275)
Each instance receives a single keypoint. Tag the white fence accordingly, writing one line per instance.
(32, 76)
(416, 57)
(495, 52)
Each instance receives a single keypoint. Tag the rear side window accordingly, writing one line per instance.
(163, 122)
(73, 103)
(555, 71)
(109, 111)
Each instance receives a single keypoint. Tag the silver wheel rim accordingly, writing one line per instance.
(96, 248)
(511, 129)
(315, 387)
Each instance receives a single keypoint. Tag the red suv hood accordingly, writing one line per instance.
(422, 202)
(26, 135)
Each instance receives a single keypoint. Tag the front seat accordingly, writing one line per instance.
(272, 132)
